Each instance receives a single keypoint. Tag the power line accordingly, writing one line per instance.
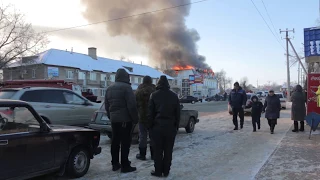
(267, 25)
(127, 17)
(270, 19)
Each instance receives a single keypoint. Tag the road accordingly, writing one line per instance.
(212, 151)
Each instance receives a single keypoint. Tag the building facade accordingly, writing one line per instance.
(88, 71)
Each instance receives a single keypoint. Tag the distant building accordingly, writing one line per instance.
(87, 70)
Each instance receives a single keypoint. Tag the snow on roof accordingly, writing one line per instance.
(84, 62)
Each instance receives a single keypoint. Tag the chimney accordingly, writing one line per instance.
(92, 52)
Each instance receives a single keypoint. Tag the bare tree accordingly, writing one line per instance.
(17, 37)
(244, 83)
(220, 76)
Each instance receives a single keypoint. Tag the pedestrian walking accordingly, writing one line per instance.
(237, 101)
(121, 107)
(298, 109)
(142, 97)
(256, 110)
(164, 118)
(272, 107)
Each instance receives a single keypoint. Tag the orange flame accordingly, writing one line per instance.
(179, 68)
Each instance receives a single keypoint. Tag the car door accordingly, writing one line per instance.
(81, 112)
(183, 118)
(49, 104)
(22, 150)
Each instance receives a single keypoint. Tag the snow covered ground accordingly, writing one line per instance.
(213, 151)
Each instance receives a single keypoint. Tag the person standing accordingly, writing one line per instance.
(237, 101)
(272, 108)
(142, 96)
(164, 118)
(121, 107)
(298, 109)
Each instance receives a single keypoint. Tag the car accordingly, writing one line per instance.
(282, 99)
(188, 99)
(55, 105)
(30, 147)
(246, 110)
(101, 122)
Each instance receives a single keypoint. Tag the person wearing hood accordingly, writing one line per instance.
(237, 101)
(121, 108)
(164, 118)
(142, 97)
(298, 109)
(256, 109)
(272, 108)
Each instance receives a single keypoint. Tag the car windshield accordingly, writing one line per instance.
(7, 94)
(280, 95)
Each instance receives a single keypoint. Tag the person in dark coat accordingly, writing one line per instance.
(121, 107)
(237, 101)
(142, 96)
(164, 118)
(272, 108)
(298, 109)
(256, 110)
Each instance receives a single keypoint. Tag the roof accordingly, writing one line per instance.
(84, 62)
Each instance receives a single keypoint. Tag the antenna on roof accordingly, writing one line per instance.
(71, 50)
(141, 63)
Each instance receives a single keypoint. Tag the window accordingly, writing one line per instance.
(139, 80)
(81, 75)
(103, 93)
(44, 96)
(72, 98)
(103, 77)
(33, 73)
(16, 120)
(69, 74)
(154, 81)
(136, 80)
(93, 76)
(112, 78)
(7, 94)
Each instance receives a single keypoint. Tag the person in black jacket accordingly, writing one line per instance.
(272, 107)
(121, 108)
(256, 110)
(237, 101)
(164, 118)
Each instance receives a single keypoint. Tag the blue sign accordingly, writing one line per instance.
(312, 42)
(53, 72)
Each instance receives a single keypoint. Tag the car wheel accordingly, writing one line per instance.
(192, 102)
(191, 125)
(78, 163)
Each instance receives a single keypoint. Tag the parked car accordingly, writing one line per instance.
(55, 105)
(101, 122)
(29, 147)
(282, 99)
(189, 99)
(211, 98)
(246, 110)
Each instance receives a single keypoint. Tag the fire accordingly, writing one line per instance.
(179, 68)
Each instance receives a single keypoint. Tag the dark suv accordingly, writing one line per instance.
(189, 99)
(29, 147)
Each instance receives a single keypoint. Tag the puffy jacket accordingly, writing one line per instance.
(272, 107)
(164, 106)
(256, 107)
(120, 102)
(298, 109)
(237, 98)
(142, 96)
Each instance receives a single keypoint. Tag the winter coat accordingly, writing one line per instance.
(164, 106)
(272, 107)
(142, 96)
(256, 107)
(298, 109)
(237, 99)
(120, 102)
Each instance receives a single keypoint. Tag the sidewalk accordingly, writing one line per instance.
(296, 157)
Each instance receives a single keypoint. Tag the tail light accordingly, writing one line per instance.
(93, 118)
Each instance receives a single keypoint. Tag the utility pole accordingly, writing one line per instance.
(257, 83)
(298, 73)
(288, 63)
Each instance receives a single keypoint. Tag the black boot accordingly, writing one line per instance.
(151, 153)
(142, 154)
(153, 173)
(116, 167)
(235, 128)
(295, 126)
(128, 168)
(301, 126)
(272, 128)
(241, 126)
(254, 128)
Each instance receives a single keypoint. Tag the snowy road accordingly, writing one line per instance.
(213, 151)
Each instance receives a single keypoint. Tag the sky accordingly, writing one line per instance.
(234, 37)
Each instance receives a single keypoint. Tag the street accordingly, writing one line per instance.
(213, 151)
